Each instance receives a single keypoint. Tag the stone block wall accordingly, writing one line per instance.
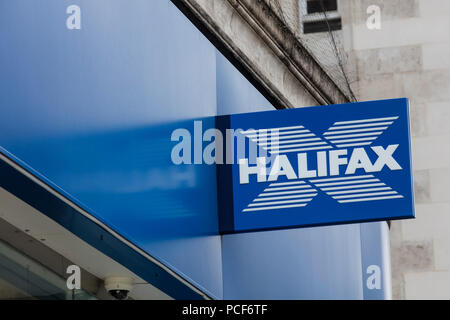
(410, 57)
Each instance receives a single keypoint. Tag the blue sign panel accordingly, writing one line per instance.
(316, 166)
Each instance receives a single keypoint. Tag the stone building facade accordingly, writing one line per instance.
(408, 57)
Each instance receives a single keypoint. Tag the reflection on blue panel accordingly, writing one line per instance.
(127, 178)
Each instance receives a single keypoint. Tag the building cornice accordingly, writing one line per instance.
(279, 39)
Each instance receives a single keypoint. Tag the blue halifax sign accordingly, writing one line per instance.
(316, 166)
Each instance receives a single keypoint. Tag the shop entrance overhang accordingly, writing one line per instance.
(30, 204)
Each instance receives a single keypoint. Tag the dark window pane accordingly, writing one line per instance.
(322, 26)
(314, 6)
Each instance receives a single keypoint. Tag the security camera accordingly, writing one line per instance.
(119, 287)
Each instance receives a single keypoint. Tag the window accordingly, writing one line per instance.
(319, 16)
(315, 6)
